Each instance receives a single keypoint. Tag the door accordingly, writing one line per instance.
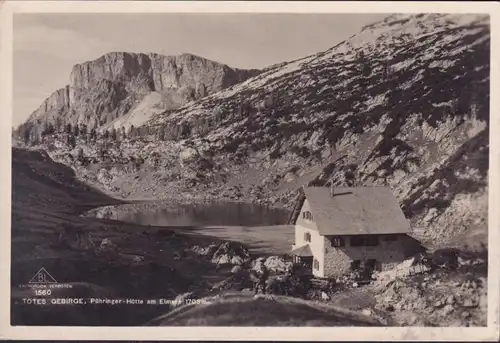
(307, 262)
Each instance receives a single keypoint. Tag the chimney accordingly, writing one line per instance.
(332, 190)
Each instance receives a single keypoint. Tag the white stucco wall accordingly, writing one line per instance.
(317, 244)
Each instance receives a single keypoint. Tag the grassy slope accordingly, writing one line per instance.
(45, 196)
(40, 182)
(243, 310)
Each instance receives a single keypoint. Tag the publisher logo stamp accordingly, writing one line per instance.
(42, 277)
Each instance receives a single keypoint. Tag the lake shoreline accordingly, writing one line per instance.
(240, 222)
(186, 213)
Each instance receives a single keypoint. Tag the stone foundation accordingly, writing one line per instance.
(337, 260)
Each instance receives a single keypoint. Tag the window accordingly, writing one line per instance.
(355, 264)
(373, 264)
(307, 215)
(390, 238)
(307, 262)
(364, 241)
(307, 237)
(316, 264)
(372, 241)
(337, 241)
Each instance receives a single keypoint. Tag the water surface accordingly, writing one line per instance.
(197, 215)
(262, 229)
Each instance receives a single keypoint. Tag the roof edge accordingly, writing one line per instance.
(298, 205)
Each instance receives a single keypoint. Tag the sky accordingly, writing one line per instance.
(47, 46)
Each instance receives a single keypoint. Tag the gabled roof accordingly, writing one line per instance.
(303, 251)
(353, 211)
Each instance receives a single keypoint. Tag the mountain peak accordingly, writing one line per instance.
(103, 90)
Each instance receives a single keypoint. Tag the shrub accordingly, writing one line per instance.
(275, 154)
(303, 151)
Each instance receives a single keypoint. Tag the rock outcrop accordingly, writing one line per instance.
(275, 264)
(231, 253)
(109, 87)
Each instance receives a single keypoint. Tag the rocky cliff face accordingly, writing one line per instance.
(105, 89)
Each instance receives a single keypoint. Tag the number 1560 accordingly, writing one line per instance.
(43, 292)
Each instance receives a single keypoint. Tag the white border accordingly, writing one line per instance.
(8, 8)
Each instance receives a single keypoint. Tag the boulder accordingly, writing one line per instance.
(438, 304)
(107, 247)
(411, 266)
(419, 303)
(465, 315)
(450, 300)
(107, 243)
(469, 284)
(412, 319)
(448, 309)
(187, 155)
(134, 259)
(277, 264)
(231, 253)
(290, 177)
(104, 177)
(430, 216)
(366, 312)
(205, 251)
(137, 259)
(75, 238)
(227, 259)
(470, 303)
(236, 270)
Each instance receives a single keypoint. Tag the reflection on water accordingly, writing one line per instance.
(231, 214)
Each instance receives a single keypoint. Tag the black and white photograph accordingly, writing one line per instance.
(250, 169)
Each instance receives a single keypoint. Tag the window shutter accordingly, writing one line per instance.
(316, 264)
(337, 242)
(307, 237)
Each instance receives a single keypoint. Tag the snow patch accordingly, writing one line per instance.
(417, 77)
(403, 64)
(375, 101)
(475, 127)
(442, 64)
(147, 108)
